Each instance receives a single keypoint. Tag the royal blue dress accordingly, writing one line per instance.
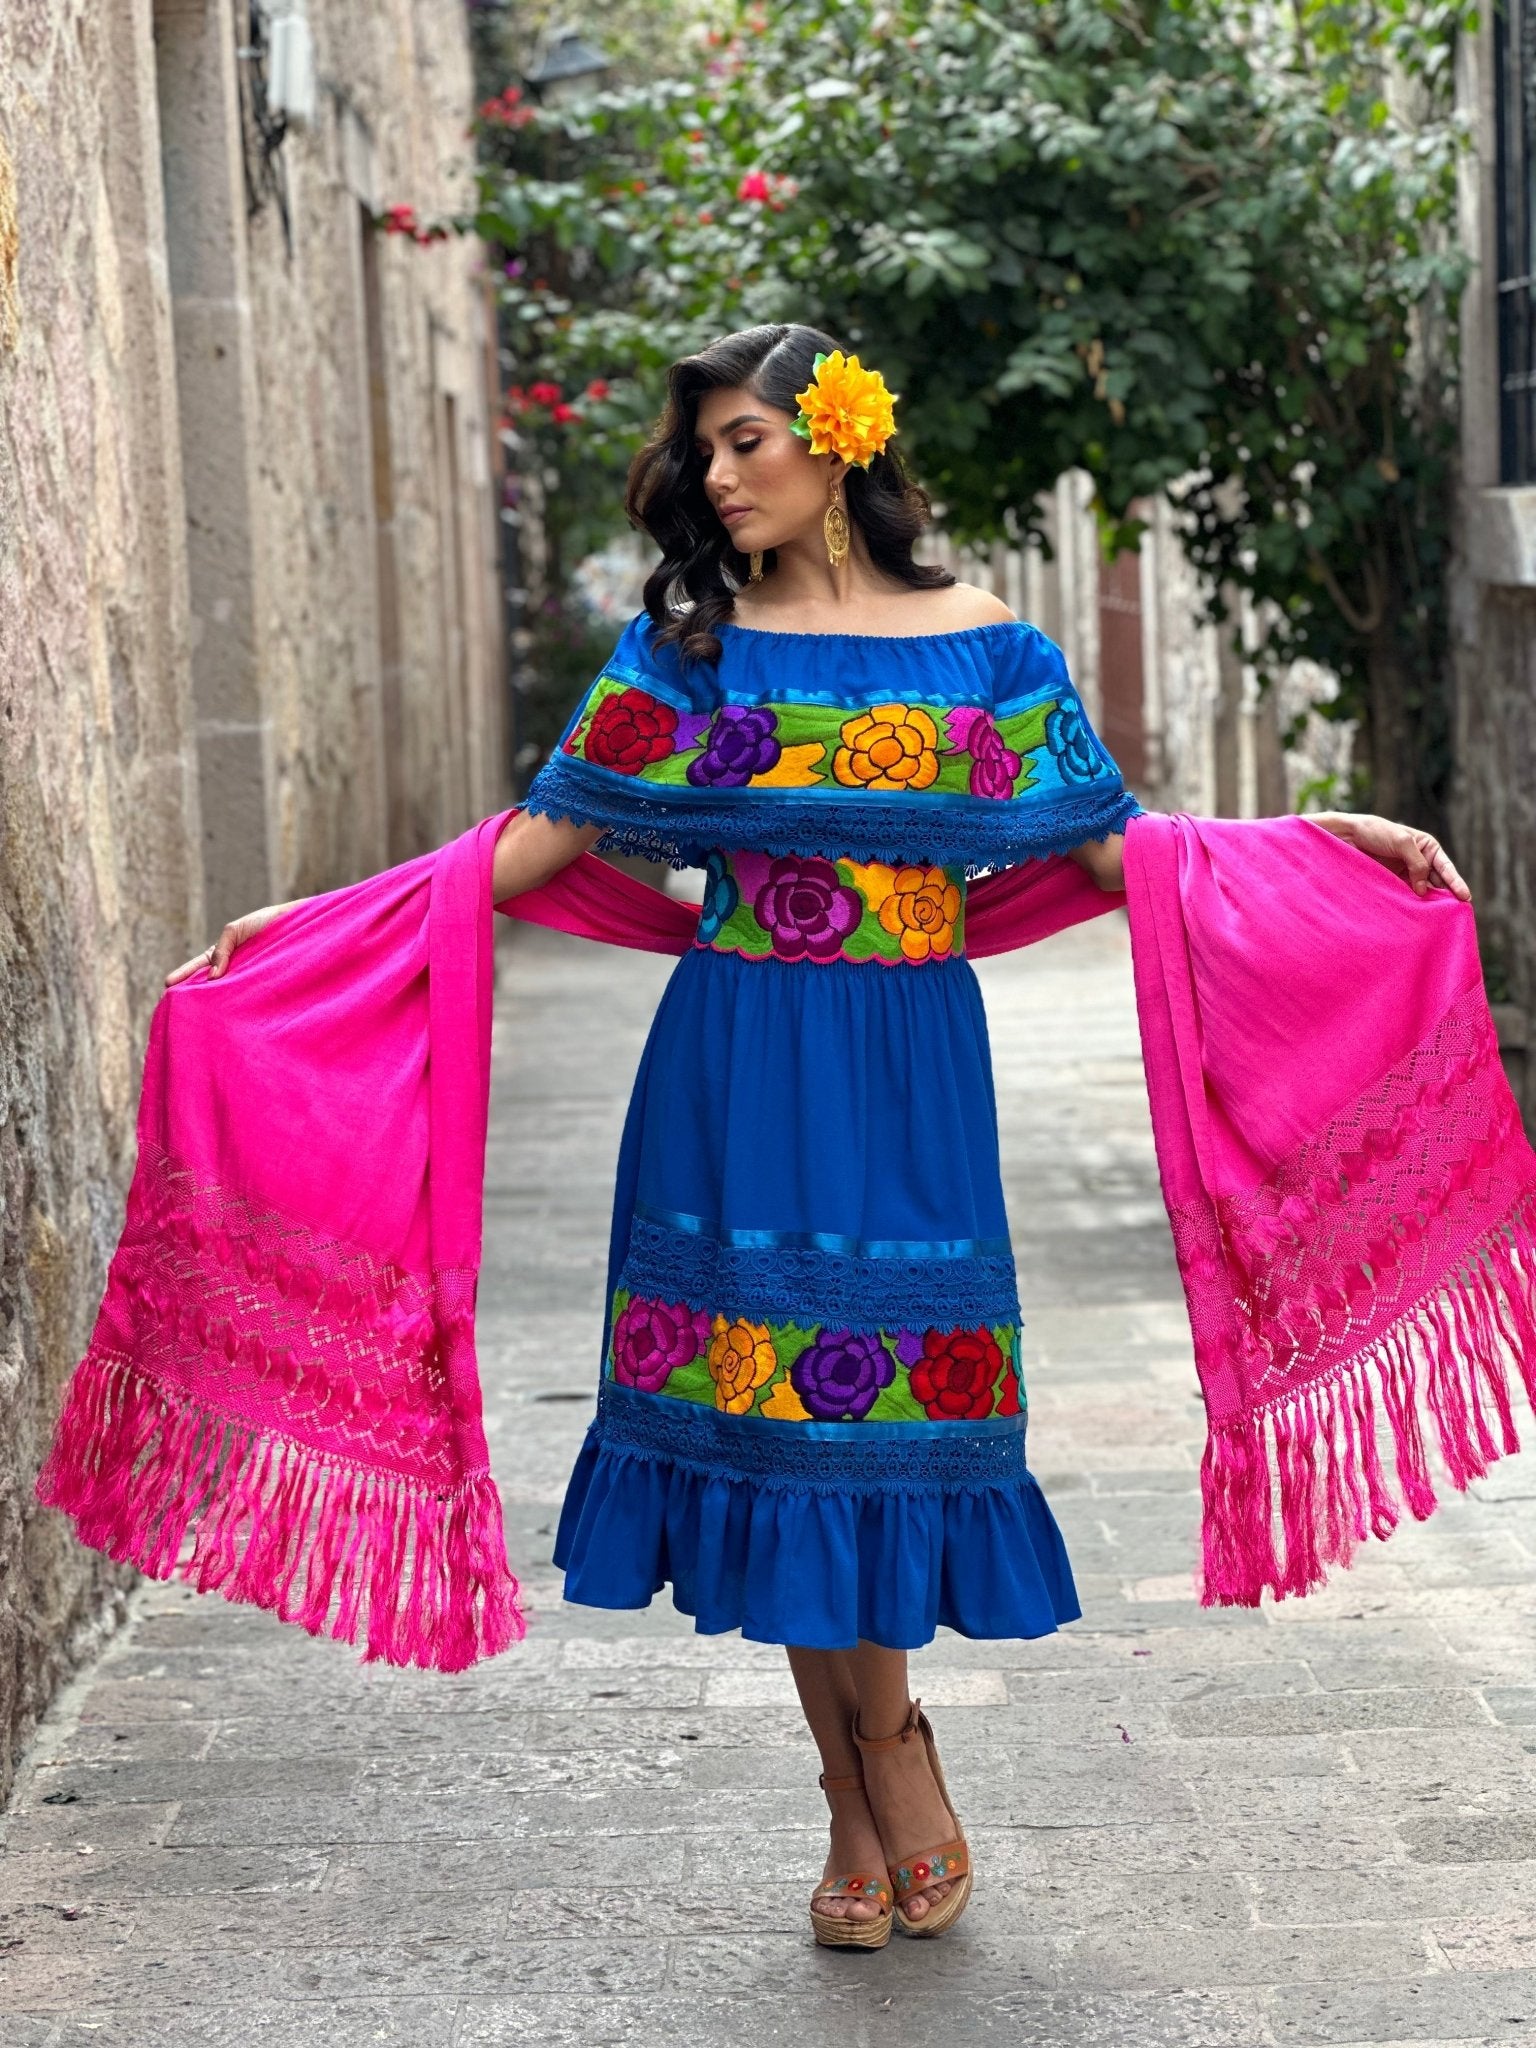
(811, 1412)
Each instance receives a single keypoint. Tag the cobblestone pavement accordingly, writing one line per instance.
(1314, 1824)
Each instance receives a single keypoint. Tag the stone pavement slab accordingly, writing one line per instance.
(1310, 1824)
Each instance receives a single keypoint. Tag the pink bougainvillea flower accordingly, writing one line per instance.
(755, 186)
(598, 388)
(562, 415)
(544, 393)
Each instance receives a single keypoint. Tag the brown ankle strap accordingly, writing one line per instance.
(904, 1733)
(853, 1783)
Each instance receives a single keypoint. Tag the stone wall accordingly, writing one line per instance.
(249, 639)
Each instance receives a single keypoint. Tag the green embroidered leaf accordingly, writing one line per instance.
(742, 932)
(954, 772)
(898, 1403)
(789, 1340)
(1024, 731)
(673, 771)
(691, 1382)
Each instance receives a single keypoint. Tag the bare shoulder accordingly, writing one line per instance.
(966, 605)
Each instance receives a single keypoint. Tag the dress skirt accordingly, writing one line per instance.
(811, 1414)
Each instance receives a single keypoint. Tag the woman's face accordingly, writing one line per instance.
(762, 480)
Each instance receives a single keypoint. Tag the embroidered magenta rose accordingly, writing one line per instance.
(651, 1339)
(955, 1376)
(629, 731)
(994, 766)
(806, 910)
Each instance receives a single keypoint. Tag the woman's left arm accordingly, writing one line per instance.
(1417, 856)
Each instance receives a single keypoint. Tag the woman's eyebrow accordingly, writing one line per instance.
(741, 420)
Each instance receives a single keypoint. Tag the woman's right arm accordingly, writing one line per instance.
(529, 852)
(532, 849)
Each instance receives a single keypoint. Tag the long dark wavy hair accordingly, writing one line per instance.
(693, 587)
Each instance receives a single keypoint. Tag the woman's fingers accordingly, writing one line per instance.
(217, 956)
(189, 967)
(1444, 874)
(1429, 866)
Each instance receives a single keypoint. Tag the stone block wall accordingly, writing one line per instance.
(249, 639)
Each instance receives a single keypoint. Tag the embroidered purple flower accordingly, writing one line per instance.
(651, 1339)
(720, 898)
(806, 910)
(743, 742)
(1072, 744)
(994, 767)
(840, 1375)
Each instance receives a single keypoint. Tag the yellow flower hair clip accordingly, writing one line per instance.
(845, 410)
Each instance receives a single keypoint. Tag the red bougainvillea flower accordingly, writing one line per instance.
(706, 218)
(628, 731)
(544, 393)
(400, 220)
(562, 415)
(955, 1376)
(755, 186)
(598, 388)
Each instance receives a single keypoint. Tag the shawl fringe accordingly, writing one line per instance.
(1293, 1487)
(412, 1574)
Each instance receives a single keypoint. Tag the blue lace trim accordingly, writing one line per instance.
(804, 1282)
(812, 1457)
(953, 831)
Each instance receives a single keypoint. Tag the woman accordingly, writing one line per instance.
(811, 1417)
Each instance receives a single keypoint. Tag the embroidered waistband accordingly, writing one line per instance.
(795, 907)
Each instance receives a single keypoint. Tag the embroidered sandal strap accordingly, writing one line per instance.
(855, 1886)
(934, 1866)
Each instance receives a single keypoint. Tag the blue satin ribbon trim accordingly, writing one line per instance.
(829, 1241)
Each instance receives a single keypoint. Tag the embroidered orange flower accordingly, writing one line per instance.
(922, 908)
(741, 1359)
(845, 410)
(890, 746)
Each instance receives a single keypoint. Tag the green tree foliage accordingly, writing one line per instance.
(1195, 246)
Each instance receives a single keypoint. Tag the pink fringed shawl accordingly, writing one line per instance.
(280, 1398)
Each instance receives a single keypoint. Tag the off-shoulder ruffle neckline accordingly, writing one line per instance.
(878, 639)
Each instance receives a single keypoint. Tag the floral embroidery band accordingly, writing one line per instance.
(793, 1372)
(953, 750)
(795, 908)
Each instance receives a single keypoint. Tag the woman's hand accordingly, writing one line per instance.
(1417, 856)
(217, 956)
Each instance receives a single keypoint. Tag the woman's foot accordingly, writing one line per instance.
(855, 1847)
(908, 1809)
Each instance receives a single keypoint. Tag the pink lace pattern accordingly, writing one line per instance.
(1384, 1272)
(265, 1410)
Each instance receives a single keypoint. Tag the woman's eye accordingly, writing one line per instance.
(745, 447)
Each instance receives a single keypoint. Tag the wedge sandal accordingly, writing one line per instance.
(948, 1861)
(843, 1930)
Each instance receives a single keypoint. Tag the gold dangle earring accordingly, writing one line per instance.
(834, 527)
(755, 559)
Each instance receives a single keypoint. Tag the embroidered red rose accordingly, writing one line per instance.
(629, 730)
(955, 1376)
